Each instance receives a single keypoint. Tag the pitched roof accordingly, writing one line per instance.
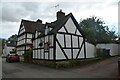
(56, 25)
(31, 26)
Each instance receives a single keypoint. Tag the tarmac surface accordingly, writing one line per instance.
(107, 68)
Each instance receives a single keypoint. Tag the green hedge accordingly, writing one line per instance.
(68, 63)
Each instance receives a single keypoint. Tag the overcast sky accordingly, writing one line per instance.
(13, 11)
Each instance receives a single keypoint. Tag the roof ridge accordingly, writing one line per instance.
(28, 21)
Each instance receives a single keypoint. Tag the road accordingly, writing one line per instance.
(104, 69)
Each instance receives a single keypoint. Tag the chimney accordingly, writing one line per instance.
(39, 21)
(60, 14)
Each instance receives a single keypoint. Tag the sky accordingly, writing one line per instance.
(12, 11)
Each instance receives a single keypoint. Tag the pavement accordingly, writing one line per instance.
(107, 68)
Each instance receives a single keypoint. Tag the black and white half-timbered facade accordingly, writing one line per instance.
(25, 33)
(59, 40)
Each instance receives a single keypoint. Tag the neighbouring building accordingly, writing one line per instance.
(112, 47)
(8, 48)
(25, 33)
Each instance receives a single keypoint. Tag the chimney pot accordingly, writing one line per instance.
(39, 21)
(60, 14)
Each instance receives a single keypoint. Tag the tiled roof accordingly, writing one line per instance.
(31, 26)
(56, 25)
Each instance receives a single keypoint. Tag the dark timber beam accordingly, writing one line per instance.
(62, 49)
(84, 49)
(80, 50)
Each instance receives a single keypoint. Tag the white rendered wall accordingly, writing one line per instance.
(20, 52)
(70, 26)
(68, 40)
(68, 53)
(81, 55)
(29, 41)
(75, 41)
(22, 30)
(51, 53)
(75, 52)
(8, 49)
(62, 30)
(59, 53)
(90, 50)
(51, 38)
(29, 35)
(60, 38)
(113, 48)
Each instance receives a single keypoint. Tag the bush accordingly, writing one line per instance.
(66, 64)
(27, 55)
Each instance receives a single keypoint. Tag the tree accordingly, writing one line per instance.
(12, 39)
(95, 32)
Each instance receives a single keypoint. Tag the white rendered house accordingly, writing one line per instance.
(25, 33)
(8, 48)
(59, 40)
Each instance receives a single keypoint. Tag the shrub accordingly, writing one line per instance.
(27, 55)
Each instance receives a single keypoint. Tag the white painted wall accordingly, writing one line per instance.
(75, 41)
(75, 52)
(60, 38)
(51, 53)
(39, 56)
(113, 48)
(46, 55)
(42, 53)
(68, 53)
(46, 39)
(68, 40)
(22, 31)
(90, 50)
(21, 42)
(33, 56)
(62, 30)
(70, 26)
(20, 52)
(81, 55)
(51, 38)
(21, 48)
(29, 41)
(80, 40)
(78, 33)
(7, 50)
(21, 37)
(59, 53)
(29, 35)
